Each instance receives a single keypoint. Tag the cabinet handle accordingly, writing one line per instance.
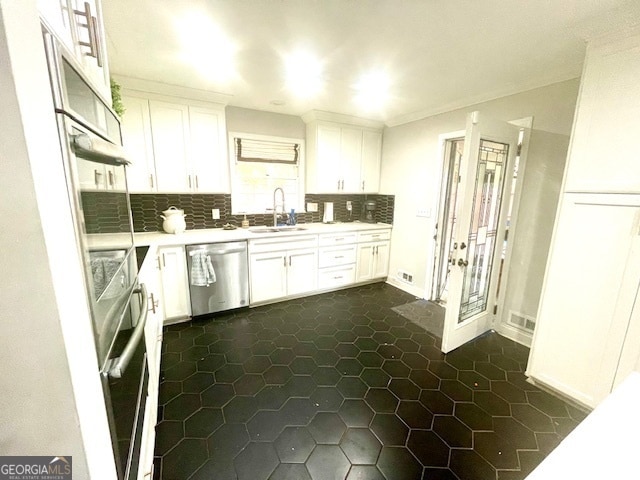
(363, 185)
(373, 250)
(158, 260)
(339, 256)
(96, 178)
(164, 263)
(111, 182)
(189, 180)
(98, 48)
(338, 278)
(289, 260)
(197, 186)
(90, 24)
(342, 185)
(154, 303)
(151, 180)
(338, 239)
(338, 184)
(285, 261)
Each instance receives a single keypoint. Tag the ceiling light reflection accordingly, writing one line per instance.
(206, 47)
(372, 90)
(303, 74)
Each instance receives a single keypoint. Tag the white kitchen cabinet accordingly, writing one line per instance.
(268, 276)
(97, 176)
(137, 141)
(149, 275)
(57, 18)
(175, 147)
(588, 297)
(604, 155)
(170, 130)
(373, 255)
(282, 267)
(342, 158)
(175, 298)
(371, 158)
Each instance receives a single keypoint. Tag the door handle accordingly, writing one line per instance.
(463, 246)
(462, 263)
(120, 364)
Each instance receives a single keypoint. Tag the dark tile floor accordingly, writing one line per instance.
(338, 386)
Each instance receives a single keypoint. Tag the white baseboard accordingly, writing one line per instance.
(412, 289)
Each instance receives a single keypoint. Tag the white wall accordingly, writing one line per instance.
(244, 120)
(412, 168)
(51, 400)
(541, 183)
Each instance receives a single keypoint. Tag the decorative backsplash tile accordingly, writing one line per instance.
(107, 216)
(105, 212)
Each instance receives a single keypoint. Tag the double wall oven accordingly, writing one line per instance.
(95, 168)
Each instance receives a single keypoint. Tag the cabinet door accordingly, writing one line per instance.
(268, 276)
(175, 283)
(328, 163)
(603, 156)
(381, 254)
(587, 299)
(208, 160)
(370, 168)
(90, 49)
(302, 271)
(137, 141)
(366, 262)
(57, 18)
(170, 129)
(350, 158)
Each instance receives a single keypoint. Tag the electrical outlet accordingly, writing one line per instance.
(215, 213)
(312, 207)
(423, 212)
(349, 206)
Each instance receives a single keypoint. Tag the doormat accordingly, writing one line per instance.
(425, 314)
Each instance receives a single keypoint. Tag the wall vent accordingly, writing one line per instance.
(405, 277)
(521, 321)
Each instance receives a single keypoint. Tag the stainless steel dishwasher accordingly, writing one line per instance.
(218, 276)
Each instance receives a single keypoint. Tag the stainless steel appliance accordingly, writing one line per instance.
(368, 211)
(95, 164)
(218, 277)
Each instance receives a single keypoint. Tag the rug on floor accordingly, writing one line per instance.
(424, 313)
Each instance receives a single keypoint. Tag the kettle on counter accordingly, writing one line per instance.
(173, 220)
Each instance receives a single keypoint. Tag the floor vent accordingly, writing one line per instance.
(524, 322)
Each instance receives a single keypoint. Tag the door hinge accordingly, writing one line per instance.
(495, 309)
(519, 149)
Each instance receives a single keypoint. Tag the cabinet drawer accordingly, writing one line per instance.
(334, 256)
(328, 239)
(278, 243)
(336, 276)
(374, 235)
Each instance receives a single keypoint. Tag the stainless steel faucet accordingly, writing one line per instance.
(275, 211)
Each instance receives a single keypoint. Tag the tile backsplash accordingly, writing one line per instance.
(147, 208)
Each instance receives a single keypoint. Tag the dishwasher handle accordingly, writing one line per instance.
(221, 251)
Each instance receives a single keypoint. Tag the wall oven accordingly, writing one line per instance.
(95, 168)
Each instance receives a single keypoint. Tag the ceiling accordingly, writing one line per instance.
(438, 54)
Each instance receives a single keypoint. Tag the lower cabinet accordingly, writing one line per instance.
(337, 266)
(176, 302)
(282, 273)
(149, 275)
(373, 260)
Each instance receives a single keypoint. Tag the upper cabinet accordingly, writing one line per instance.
(342, 157)
(78, 26)
(175, 147)
(604, 153)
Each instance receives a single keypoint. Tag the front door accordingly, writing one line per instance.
(490, 148)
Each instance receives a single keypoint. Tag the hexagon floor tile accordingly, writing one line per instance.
(339, 386)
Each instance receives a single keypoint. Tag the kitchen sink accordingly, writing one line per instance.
(282, 228)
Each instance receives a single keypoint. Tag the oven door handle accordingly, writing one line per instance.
(120, 364)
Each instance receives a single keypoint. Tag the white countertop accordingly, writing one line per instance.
(215, 235)
(606, 445)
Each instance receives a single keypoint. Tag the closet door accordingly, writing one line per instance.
(588, 297)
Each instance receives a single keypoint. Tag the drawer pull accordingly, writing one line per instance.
(339, 239)
(338, 277)
(339, 256)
